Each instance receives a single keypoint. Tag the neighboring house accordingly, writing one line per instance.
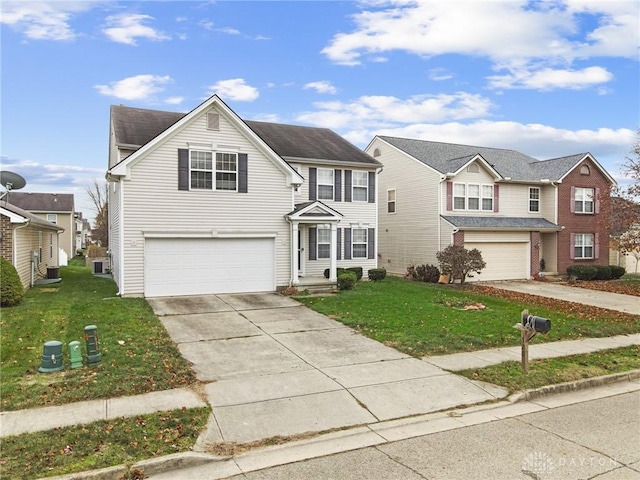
(83, 232)
(515, 209)
(56, 208)
(29, 243)
(205, 202)
(625, 227)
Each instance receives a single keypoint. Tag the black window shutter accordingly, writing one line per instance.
(339, 245)
(372, 187)
(347, 185)
(183, 169)
(347, 244)
(337, 185)
(242, 173)
(313, 243)
(371, 243)
(313, 183)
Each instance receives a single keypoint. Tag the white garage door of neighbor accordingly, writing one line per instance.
(505, 261)
(197, 266)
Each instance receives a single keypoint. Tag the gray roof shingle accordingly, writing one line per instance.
(137, 126)
(449, 157)
(42, 202)
(524, 223)
(31, 217)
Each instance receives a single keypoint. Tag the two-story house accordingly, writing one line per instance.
(523, 214)
(206, 202)
(56, 208)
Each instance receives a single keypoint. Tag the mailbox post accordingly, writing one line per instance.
(530, 325)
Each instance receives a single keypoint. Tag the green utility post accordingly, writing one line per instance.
(93, 346)
(51, 357)
(75, 354)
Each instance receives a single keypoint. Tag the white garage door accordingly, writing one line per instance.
(195, 266)
(505, 261)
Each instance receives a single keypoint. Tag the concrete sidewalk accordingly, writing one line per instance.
(46, 418)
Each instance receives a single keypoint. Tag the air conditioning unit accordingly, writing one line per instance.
(98, 267)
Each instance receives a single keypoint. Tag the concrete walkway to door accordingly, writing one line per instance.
(273, 367)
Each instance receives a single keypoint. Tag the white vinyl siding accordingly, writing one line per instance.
(115, 240)
(153, 202)
(28, 239)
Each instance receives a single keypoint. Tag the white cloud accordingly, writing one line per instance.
(229, 31)
(548, 79)
(440, 74)
(322, 87)
(127, 27)
(138, 87)
(378, 111)
(545, 35)
(43, 20)
(174, 100)
(234, 89)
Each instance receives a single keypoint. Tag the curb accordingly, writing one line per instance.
(574, 386)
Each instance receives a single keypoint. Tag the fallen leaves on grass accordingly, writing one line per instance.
(612, 286)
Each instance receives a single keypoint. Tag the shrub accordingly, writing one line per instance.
(616, 271)
(582, 272)
(460, 262)
(423, 273)
(357, 271)
(377, 274)
(11, 289)
(347, 280)
(339, 270)
(603, 272)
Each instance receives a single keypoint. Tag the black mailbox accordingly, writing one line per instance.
(537, 324)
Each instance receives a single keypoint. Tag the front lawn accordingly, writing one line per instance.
(138, 355)
(430, 319)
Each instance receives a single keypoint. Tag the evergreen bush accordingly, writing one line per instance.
(11, 289)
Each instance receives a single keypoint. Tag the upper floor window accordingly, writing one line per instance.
(473, 168)
(584, 170)
(583, 200)
(391, 201)
(583, 245)
(360, 182)
(324, 242)
(359, 243)
(52, 217)
(472, 196)
(325, 184)
(203, 170)
(534, 199)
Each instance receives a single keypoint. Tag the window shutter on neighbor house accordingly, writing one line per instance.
(337, 185)
(572, 242)
(496, 198)
(242, 173)
(596, 248)
(313, 243)
(347, 244)
(596, 201)
(339, 244)
(371, 243)
(449, 196)
(572, 207)
(313, 183)
(183, 169)
(347, 186)
(372, 187)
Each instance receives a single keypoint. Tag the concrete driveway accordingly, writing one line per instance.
(611, 301)
(274, 367)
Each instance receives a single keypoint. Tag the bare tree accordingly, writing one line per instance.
(97, 192)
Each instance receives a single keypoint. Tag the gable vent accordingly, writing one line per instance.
(213, 121)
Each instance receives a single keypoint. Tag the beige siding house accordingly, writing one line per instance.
(206, 202)
(515, 209)
(29, 243)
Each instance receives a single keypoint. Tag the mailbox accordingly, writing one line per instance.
(537, 324)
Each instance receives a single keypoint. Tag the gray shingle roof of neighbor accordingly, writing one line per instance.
(449, 157)
(30, 216)
(524, 223)
(42, 202)
(138, 126)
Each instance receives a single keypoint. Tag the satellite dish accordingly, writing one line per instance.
(11, 181)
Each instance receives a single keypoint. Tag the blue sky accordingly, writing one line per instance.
(547, 78)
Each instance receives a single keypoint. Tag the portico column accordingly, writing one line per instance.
(332, 253)
(294, 253)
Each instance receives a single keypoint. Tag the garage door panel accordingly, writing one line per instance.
(505, 261)
(204, 266)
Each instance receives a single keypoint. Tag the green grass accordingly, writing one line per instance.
(424, 319)
(558, 370)
(138, 355)
(101, 444)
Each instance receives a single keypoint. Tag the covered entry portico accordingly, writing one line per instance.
(304, 216)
